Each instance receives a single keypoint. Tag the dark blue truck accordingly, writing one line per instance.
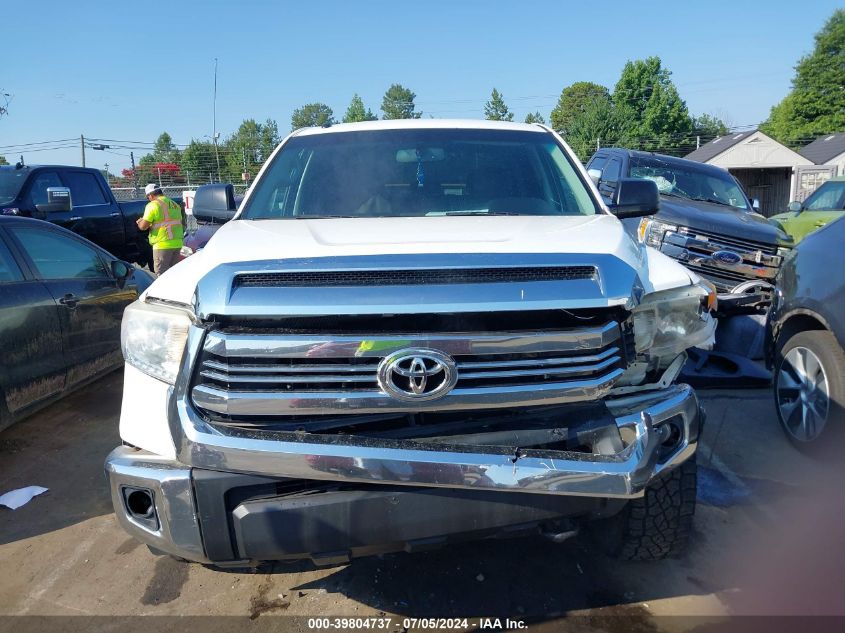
(78, 199)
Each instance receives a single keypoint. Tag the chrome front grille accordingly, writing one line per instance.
(274, 374)
(731, 243)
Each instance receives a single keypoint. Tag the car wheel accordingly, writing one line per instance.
(658, 524)
(810, 389)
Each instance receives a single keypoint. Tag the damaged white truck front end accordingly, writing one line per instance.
(330, 387)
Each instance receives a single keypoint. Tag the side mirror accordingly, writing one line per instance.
(595, 176)
(121, 271)
(794, 206)
(635, 198)
(58, 200)
(755, 204)
(215, 203)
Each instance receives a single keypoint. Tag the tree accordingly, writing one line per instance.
(312, 115)
(595, 120)
(708, 127)
(398, 103)
(243, 150)
(816, 103)
(535, 117)
(269, 138)
(3, 160)
(495, 109)
(574, 99)
(356, 111)
(199, 162)
(650, 112)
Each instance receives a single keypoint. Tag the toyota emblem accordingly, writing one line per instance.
(417, 374)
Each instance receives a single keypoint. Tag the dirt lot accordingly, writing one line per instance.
(761, 512)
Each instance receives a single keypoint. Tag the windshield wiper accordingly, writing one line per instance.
(714, 201)
(477, 213)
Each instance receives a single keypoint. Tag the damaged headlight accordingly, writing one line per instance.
(668, 322)
(152, 338)
(651, 232)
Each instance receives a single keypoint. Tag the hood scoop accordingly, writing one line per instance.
(416, 284)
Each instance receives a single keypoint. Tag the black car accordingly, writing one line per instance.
(61, 304)
(705, 220)
(806, 327)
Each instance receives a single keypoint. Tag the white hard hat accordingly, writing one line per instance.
(150, 188)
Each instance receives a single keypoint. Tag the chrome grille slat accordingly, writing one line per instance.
(731, 242)
(496, 364)
(287, 369)
(545, 371)
(263, 378)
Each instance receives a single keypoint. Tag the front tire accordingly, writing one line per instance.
(658, 524)
(810, 390)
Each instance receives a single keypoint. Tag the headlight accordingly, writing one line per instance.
(668, 322)
(651, 232)
(153, 337)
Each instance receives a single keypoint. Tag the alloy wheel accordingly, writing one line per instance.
(803, 394)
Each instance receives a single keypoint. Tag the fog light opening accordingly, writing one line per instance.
(139, 503)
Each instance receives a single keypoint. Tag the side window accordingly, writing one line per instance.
(42, 180)
(58, 256)
(9, 270)
(610, 174)
(597, 163)
(84, 188)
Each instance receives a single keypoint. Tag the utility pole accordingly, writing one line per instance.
(697, 142)
(82, 146)
(598, 143)
(107, 172)
(214, 121)
(134, 173)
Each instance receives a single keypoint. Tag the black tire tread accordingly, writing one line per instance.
(658, 524)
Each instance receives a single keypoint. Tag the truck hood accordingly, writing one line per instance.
(717, 218)
(450, 241)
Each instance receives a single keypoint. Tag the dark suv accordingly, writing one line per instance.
(705, 221)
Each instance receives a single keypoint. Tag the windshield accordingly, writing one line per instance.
(829, 197)
(421, 172)
(688, 182)
(11, 181)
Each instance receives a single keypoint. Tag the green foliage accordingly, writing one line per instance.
(816, 103)
(269, 138)
(650, 113)
(199, 162)
(708, 127)
(3, 160)
(495, 109)
(398, 103)
(573, 101)
(535, 117)
(595, 120)
(312, 115)
(357, 112)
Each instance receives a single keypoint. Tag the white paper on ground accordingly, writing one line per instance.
(17, 498)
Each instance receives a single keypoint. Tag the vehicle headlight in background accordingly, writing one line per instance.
(651, 232)
(668, 322)
(152, 338)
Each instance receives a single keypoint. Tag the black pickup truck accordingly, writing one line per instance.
(79, 199)
(705, 221)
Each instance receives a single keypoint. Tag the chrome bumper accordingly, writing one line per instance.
(625, 474)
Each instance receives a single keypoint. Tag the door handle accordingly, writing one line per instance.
(114, 215)
(75, 218)
(69, 301)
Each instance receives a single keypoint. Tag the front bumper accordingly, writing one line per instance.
(458, 485)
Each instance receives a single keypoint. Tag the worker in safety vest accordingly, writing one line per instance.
(163, 218)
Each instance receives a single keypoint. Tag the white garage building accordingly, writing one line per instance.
(768, 170)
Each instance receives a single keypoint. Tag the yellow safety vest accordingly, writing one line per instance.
(165, 218)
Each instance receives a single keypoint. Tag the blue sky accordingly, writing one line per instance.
(127, 71)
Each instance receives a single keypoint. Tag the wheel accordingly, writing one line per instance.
(658, 524)
(810, 390)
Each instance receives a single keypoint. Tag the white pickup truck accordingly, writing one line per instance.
(413, 332)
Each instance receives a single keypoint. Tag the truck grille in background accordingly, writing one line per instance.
(271, 375)
(416, 276)
(731, 243)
